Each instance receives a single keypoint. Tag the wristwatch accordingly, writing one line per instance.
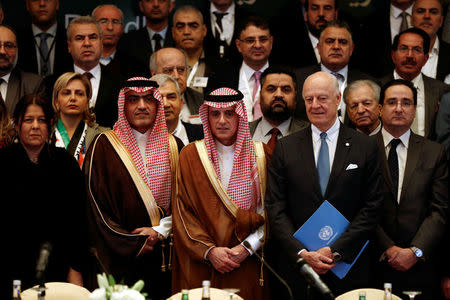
(417, 252)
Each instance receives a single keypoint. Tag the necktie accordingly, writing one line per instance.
(256, 107)
(44, 53)
(88, 75)
(157, 38)
(339, 77)
(404, 24)
(323, 163)
(393, 164)
(273, 139)
(219, 17)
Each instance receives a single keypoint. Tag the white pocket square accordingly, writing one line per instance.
(351, 167)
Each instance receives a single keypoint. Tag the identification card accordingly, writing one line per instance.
(200, 82)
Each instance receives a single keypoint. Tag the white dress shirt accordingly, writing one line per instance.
(430, 68)
(52, 30)
(342, 86)
(262, 133)
(331, 139)
(162, 33)
(227, 23)
(402, 154)
(314, 42)
(4, 86)
(246, 84)
(396, 19)
(165, 224)
(418, 125)
(106, 60)
(95, 81)
(180, 132)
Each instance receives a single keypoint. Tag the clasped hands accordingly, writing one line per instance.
(401, 259)
(151, 240)
(321, 260)
(226, 259)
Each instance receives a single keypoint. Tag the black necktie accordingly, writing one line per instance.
(88, 75)
(393, 164)
(157, 38)
(44, 53)
(219, 17)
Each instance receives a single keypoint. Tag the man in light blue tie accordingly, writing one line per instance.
(325, 161)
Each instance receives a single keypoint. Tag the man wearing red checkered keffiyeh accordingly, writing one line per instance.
(129, 175)
(219, 207)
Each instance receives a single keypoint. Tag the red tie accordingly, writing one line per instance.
(273, 139)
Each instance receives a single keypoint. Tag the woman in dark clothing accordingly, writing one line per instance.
(42, 199)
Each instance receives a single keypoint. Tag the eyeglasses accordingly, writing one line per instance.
(403, 103)
(170, 70)
(9, 46)
(115, 22)
(406, 49)
(251, 40)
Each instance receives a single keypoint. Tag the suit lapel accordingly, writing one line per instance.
(308, 161)
(414, 149)
(343, 146)
(13, 91)
(385, 167)
(431, 99)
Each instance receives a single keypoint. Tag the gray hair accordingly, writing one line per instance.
(162, 79)
(153, 64)
(107, 5)
(82, 20)
(186, 9)
(359, 83)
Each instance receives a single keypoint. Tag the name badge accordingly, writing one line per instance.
(200, 82)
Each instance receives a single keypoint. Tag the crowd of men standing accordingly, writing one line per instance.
(228, 131)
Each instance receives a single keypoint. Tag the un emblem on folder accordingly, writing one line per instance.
(326, 233)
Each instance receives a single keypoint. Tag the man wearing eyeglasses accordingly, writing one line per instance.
(14, 83)
(43, 41)
(409, 54)
(110, 18)
(174, 62)
(414, 211)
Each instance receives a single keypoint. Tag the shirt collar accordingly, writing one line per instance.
(387, 137)
(141, 138)
(435, 49)
(178, 128)
(249, 71)
(222, 149)
(314, 40)
(230, 9)
(331, 133)
(162, 33)
(343, 71)
(95, 71)
(283, 127)
(6, 77)
(397, 11)
(416, 80)
(36, 30)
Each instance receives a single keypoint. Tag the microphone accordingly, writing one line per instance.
(313, 278)
(42, 261)
(248, 246)
(94, 252)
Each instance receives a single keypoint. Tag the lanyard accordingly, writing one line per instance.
(192, 73)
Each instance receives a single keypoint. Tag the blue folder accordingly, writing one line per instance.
(322, 229)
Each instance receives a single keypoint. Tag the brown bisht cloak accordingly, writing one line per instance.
(200, 221)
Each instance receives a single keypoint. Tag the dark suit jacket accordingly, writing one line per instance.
(296, 125)
(303, 73)
(293, 195)
(108, 92)
(194, 131)
(434, 90)
(443, 123)
(28, 60)
(420, 218)
(20, 84)
(134, 51)
(193, 100)
(443, 67)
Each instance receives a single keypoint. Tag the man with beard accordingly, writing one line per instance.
(136, 46)
(14, 83)
(278, 99)
(43, 42)
(409, 54)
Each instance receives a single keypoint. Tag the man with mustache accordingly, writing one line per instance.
(136, 46)
(278, 99)
(43, 40)
(14, 83)
(335, 49)
(409, 54)
(428, 16)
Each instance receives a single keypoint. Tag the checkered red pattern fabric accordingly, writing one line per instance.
(158, 176)
(243, 188)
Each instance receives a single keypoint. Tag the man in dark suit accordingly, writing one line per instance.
(335, 48)
(325, 161)
(278, 98)
(173, 102)
(43, 42)
(14, 83)
(85, 45)
(414, 216)
(174, 62)
(135, 47)
(443, 122)
(428, 16)
(409, 54)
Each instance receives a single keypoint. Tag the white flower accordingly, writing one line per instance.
(127, 295)
(98, 294)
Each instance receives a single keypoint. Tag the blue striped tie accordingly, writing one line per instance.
(323, 163)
